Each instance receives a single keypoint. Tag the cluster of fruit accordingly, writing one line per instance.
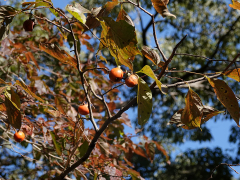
(115, 75)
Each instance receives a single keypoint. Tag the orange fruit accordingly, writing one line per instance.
(131, 80)
(83, 109)
(116, 74)
(19, 136)
(28, 25)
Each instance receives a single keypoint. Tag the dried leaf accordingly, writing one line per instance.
(122, 15)
(59, 54)
(25, 87)
(161, 7)
(193, 111)
(144, 100)
(226, 97)
(13, 109)
(120, 38)
(92, 22)
(150, 149)
(234, 74)
(151, 54)
(160, 148)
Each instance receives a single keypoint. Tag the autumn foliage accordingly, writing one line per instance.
(50, 86)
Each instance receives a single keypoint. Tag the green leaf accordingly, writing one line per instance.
(41, 3)
(120, 38)
(56, 144)
(83, 148)
(13, 111)
(148, 71)
(193, 111)
(226, 96)
(78, 12)
(144, 99)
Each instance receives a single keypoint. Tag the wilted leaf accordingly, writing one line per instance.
(59, 54)
(209, 112)
(148, 71)
(56, 144)
(144, 99)
(78, 12)
(122, 15)
(193, 111)
(235, 5)
(161, 7)
(25, 87)
(13, 109)
(120, 38)
(29, 55)
(160, 148)
(151, 54)
(234, 74)
(139, 151)
(150, 149)
(226, 97)
(92, 22)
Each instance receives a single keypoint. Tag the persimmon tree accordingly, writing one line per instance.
(46, 76)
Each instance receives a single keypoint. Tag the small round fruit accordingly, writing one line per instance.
(116, 74)
(28, 25)
(83, 109)
(131, 80)
(19, 136)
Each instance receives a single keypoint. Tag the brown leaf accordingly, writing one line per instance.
(92, 22)
(124, 16)
(139, 151)
(160, 148)
(226, 97)
(234, 74)
(161, 7)
(59, 54)
(151, 54)
(193, 111)
(150, 149)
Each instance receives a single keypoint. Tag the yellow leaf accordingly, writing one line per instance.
(193, 111)
(235, 5)
(234, 74)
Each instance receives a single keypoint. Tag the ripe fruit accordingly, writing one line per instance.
(19, 136)
(131, 80)
(116, 74)
(28, 25)
(83, 109)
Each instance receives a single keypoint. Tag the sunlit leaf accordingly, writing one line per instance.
(120, 38)
(209, 112)
(99, 12)
(161, 7)
(3, 82)
(2, 107)
(41, 3)
(78, 12)
(148, 71)
(151, 54)
(193, 111)
(235, 5)
(122, 15)
(56, 144)
(226, 96)
(59, 54)
(144, 99)
(234, 74)
(25, 87)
